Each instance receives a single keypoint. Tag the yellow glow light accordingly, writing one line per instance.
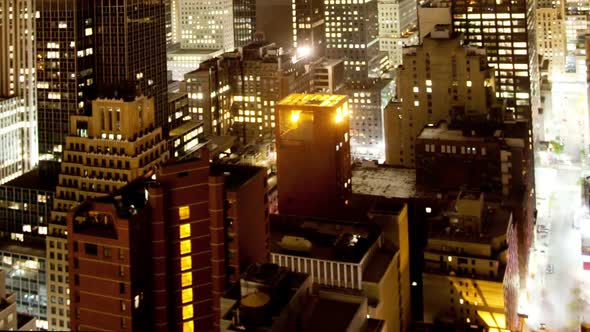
(295, 115)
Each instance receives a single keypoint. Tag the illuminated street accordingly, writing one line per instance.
(555, 273)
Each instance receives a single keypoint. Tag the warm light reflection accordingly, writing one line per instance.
(295, 116)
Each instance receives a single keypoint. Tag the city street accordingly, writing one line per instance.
(555, 272)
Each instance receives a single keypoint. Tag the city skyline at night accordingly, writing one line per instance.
(295, 165)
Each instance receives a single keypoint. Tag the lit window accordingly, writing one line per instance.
(428, 210)
(187, 312)
(184, 212)
(428, 83)
(88, 32)
(185, 247)
(469, 84)
(187, 279)
(186, 263)
(185, 230)
(187, 295)
(188, 326)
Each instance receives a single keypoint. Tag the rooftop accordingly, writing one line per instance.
(313, 100)
(185, 127)
(45, 177)
(30, 248)
(331, 315)
(235, 175)
(442, 132)
(322, 238)
(388, 182)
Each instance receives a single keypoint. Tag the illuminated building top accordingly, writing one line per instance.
(313, 100)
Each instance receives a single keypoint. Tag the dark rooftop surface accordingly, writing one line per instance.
(235, 175)
(377, 265)
(22, 320)
(45, 177)
(337, 240)
(330, 315)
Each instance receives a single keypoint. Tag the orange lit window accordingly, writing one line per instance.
(185, 247)
(184, 212)
(186, 263)
(187, 312)
(185, 231)
(188, 326)
(187, 295)
(187, 279)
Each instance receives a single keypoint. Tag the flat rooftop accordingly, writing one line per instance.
(183, 128)
(441, 132)
(494, 224)
(388, 182)
(328, 239)
(235, 175)
(313, 100)
(331, 315)
(45, 177)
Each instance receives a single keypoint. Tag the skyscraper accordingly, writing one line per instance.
(313, 147)
(244, 22)
(65, 68)
(309, 26)
(130, 39)
(104, 151)
(507, 31)
(18, 93)
(397, 27)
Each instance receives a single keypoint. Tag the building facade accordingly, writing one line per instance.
(309, 26)
(313, 146)
(104, 151)
(427, 90)
(65, 68)
(551, 41)
(10, 320)
(507, 30)
(397, 27)
(18, 93)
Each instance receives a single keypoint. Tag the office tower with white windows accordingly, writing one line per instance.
(397, 27)
(18, 94)
(551, 41)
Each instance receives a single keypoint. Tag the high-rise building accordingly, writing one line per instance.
(436, 75)
(397, 27)
(506, 29)
(244, 23)
(65, 68)
(124, 32)
(551, 43)
(469, 276)
(18, 92)
(103, 151)
(309, 27)
(204, 25)
(313, 146)
(10, 320)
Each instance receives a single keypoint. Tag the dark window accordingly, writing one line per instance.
(106, 252)
(122, 288)
(91, 249)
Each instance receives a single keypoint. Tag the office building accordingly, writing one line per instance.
(244, 22)
(115, 144)
(484, 158)
(397, 27)
(309, 27)
(236, 92)
(327, 76)
(182, 61)
(551, 44)
(66, 74)
(10, 320)
(247, 230)
(470, 272)
(507, 31)
(18, 93)
(427, 90)
(269, 75)
(313, 146)
(123, 32)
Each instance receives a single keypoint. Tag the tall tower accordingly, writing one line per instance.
(103, 151)
(130, 37)
(313, 149)
(309, 26)
(397, 27)
(506, 28)
(244, 22)
(17, 80)
(65, 68)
